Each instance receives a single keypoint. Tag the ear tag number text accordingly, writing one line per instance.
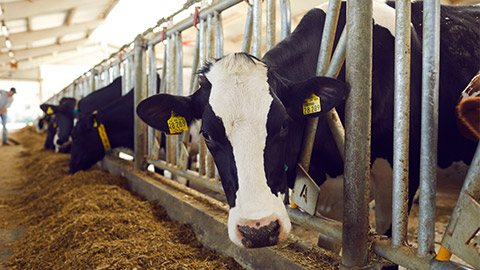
(177, 124)
(312, 105)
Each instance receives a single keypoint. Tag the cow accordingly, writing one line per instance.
(252, 119)
(101, 97)
(87, 147)
(468, 110)
(61, 125)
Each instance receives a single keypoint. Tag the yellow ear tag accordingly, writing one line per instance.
(49, 110)
(312, 105)
(177, 124)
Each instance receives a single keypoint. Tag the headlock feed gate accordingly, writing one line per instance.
(137, 63)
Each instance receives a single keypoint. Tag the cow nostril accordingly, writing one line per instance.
(260, 236)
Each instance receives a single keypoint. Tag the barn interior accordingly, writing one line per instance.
(51, 49)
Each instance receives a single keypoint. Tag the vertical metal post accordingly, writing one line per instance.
(322, 64)
(210, 37)
(194, 76)
(172, 90)
(286, 18)
(247, 35)
(140, 131)
(334, 122)
(179, 81)
(429, 137)
(218, 35)
(152, 90)
(271, 11)
(202, 58)
(401, 120)
(257, 28)
(357, 140)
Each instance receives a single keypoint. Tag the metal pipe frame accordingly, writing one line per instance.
(194, 76)
(322, 64)
(172, 90)
(429, 126)
(202, 15)
(218, 35)
(152, 89)
(188, 174)
(401, 119)
(286, 18)
(271, 11)
(357, 139)
(247, 35)
(140, 131)
(333, 120)
(257, 29)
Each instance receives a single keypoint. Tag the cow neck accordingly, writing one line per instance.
(103, 135)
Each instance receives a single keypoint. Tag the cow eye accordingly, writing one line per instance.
(205, 135)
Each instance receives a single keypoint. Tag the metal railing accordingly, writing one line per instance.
(137, 63)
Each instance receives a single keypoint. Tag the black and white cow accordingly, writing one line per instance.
(58, 133)
(101, 97)
(87, 147)
(252, 119)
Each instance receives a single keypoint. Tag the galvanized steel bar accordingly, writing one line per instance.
(167, 79)
(188, 22)
(471, 187)
(286, 18)
(218, 35)
(257, 28)
(401, 120)
(333, 120)
(152, 90)
(247, 34)
(357, 139)
(322, 64)
(194, 76)
(163, 83)
(202, 57)
(429, 122)
(271, 12)
(190, 175)
(172, 90)
(322, 225)
(210, 37)
(140, 131)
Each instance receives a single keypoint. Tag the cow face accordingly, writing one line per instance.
(63, 120)
(86, 147)
(245, 124)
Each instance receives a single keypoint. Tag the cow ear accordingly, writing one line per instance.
(48, 108)
(158, 109)
(315, 96)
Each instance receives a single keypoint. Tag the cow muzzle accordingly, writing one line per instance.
(259, 233)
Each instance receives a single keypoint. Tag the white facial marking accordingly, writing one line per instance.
(240, 97)
(383, 14)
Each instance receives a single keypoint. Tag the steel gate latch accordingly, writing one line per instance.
(305, 191)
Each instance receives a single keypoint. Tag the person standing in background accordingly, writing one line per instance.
(6, 99)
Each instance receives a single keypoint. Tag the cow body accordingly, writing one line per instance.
(252, 120)
(87, 147)
(101, 97)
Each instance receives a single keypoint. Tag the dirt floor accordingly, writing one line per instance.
(52, 220)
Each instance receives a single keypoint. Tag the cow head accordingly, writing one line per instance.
(63, 120)
(247, 113)
(86, 147)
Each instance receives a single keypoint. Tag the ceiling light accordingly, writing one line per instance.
(5, 30)
(8, 43)
(10, 53)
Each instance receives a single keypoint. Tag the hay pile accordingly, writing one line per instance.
(89, 221)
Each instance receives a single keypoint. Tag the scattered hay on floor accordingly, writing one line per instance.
(89, 221)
